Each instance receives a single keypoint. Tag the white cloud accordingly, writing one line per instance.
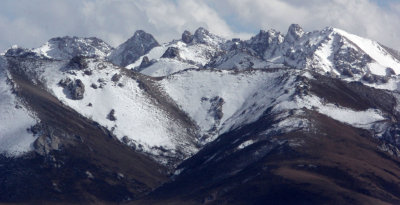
(30, 23)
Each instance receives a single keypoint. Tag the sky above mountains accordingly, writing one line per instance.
(30, 23)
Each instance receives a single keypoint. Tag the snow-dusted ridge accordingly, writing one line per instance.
(220, 84)
(67, 47)
(329, 51)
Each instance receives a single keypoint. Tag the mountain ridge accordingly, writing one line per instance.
(204, 119)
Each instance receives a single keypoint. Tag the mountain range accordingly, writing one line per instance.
(295, 118)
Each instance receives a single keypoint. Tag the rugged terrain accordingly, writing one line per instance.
(295, 118)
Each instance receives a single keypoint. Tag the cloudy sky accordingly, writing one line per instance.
(30, 23)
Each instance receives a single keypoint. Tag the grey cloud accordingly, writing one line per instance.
(361, 17)
(30, 23)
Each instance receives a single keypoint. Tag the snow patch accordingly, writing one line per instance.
(245, 144)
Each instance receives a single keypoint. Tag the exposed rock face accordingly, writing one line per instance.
(295, 32)
(216, 108)
(201, 35)
(171, 52)
(75, 89)
(47, 143)
(116, 77)
(145, 62)
(77, 63)
(21, 52)
(128, 52)
(111, 115)
(187, 37)
(265, 40)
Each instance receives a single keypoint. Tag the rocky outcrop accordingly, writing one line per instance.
(16, 51)
(116, 77)
(111, 115)
(187, 37)
(131, 50)
(74, 89)
(77, 63)
(77, 89)
(145, 62)
(171, 52)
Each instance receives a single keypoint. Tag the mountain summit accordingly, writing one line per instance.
(128, 52)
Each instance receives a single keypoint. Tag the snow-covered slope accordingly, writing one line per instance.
(221, 100)
(382, 58)
(15, 119)
(118, 101)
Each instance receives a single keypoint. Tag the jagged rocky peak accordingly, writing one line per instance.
(67, 47)
(187, 37)
(131, 50)
(263, 40)
(203, 36)
(295, 32)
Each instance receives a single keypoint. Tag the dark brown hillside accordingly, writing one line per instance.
(337, 164)
(326, 162)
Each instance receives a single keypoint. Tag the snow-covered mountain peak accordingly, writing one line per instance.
(265, 40)
(328, 51)
(130, 51)
(62, 48)
(203, 36)
(295, 32)
(381, 57)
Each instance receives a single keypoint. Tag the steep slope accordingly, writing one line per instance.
(298, 150)
(215, 99)
(74, 160)
(125, 103)
(16, 119)
(129, 51)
